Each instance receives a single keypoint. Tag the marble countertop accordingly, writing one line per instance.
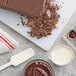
(69, 70)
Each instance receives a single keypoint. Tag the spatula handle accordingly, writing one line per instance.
(5, 66)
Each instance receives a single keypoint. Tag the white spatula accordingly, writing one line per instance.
(19, 58)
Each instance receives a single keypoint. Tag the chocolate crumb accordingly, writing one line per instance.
(22, 21)
(17, 24)
(41, 24)
(22, 15)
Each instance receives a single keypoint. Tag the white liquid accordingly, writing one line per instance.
(62, 55)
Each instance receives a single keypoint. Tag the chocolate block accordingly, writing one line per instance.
(30, 7)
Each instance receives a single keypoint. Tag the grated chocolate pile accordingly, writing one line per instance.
(43, 24)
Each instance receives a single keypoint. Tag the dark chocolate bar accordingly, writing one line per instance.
(31, 7)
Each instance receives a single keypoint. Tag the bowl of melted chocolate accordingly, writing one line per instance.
(38, 68)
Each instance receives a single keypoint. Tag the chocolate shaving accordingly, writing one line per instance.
(43, 23)
(22, 21)
(17, 24)
(22, 15)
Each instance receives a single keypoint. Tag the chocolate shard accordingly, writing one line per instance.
(43, 24)
(27, 7)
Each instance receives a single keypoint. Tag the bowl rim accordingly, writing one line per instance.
(42, 61)
(66, 46)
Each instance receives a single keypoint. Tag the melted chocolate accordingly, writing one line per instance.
(72, 34)
(38, 68)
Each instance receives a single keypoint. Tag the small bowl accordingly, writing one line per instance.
(43, 62)
(50, 56)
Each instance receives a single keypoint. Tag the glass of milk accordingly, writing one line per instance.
(62, 55)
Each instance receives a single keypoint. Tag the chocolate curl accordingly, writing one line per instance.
(43, 23)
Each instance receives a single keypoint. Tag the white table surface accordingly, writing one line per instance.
(69, 70)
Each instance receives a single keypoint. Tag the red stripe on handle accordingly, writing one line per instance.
(7, 42)
(6, 45)
(7, 39)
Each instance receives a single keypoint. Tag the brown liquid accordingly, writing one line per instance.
(72, 34)
(38, 68)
